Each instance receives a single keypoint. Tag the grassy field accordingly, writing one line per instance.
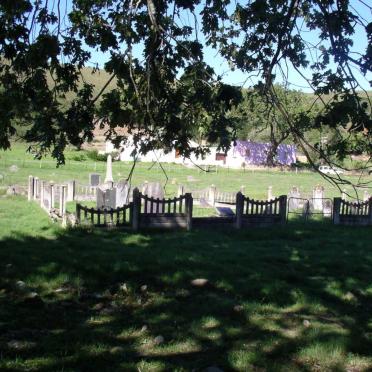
(282, 299)
(255, 182)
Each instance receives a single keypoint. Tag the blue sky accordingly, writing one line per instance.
(237, 77)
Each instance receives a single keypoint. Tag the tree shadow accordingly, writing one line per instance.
(273, 299)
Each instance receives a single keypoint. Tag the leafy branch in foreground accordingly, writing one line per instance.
(165, 92)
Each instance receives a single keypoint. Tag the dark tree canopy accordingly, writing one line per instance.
(165, 92)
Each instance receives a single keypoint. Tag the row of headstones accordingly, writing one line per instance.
(318, 193)
(318, 200)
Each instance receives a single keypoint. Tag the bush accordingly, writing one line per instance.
(95, 156)
(79, 157)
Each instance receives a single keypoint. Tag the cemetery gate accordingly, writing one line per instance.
(307, 209)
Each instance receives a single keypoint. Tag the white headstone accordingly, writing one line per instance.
(270, 193)
(366, 196)
(109, 177)
(294, 199)
(122, 191)
(156, 191)
(318, 196)
(327, 208)
(47, 197)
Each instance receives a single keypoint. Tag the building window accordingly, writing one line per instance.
(220, 156)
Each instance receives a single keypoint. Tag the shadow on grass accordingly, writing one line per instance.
(292, 298)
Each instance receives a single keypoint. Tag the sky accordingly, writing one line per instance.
(295, 81)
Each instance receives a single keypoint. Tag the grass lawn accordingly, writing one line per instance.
(255, 182)
(297, 298)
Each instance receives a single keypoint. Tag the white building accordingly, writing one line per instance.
(240, 155)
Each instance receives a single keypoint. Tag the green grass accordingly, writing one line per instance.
(296, 298)
(255, 182)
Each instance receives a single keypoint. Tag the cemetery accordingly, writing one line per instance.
(131, 273)
(186, 186)
(122, 205)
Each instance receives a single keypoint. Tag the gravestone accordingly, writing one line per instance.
(144, 188)
(100, 198)
(294, 199)
(318, 196)
(327, 208)
(106, 198)
(270, 193)
(122, 193)
(110, 198)
(156, 191)
(94, 179)
(13, 168)
(47, 196)
(366, 196)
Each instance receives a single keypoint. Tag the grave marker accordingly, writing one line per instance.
(318, 196)
(293, 199)
(270, 193)
(122, 193)
(156, 191)
(94, 179)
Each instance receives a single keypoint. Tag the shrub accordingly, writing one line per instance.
(95, 156)
(79, 157)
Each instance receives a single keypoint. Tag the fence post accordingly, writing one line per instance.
(136, 209)
(283, 209)
(212, 194)
(42, 193)
(36, 187)
(52, 193)
(180, 190)
(239, 210)
(71, 190)
(31, 188)
(188, 210)
(78, 213)
(370, 210)
(336, 210)
(62, 200)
